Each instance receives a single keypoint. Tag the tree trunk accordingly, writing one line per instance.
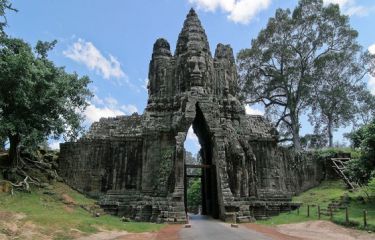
(296, 140)
(295, 133)
(329, 130)
(2, 145)
(14, 150)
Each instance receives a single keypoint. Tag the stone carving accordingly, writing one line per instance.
(135, 164)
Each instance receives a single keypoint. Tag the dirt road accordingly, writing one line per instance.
(12, 226)
(204, 228)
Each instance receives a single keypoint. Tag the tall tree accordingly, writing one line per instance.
(37, 99)
(338, 89)
(4, 5)
(280, 69)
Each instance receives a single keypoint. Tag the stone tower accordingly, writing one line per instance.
(136, 166)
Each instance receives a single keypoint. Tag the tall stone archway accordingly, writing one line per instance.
(209, 180)
(135, 164)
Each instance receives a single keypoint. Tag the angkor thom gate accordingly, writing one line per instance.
(134, 164)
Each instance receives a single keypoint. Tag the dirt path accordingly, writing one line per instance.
(170, 232)
(319, 230)
(312, 230)
(271, 232)
(12, 226)
(205, 228)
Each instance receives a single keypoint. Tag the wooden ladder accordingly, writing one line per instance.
(339, 165)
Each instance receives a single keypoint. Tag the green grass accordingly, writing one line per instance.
(322, 195)
(50, 212)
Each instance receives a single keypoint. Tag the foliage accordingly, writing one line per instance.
(2, 143)
(162, 182)
(364, 140)
(371, 187)
(356, 137)
(37, 98)
(339, 92)
(368, 142)
(194, 195)
(366, 107)
(288, 59)
(335, 152)
(4, 5)
(358, 170)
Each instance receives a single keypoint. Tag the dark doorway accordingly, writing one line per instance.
(205, 169)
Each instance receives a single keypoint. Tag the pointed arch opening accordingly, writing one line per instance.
(200, 172)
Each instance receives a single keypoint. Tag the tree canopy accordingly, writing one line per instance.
(363, 168)
(291, 66)
(37, 98)
(4, 5)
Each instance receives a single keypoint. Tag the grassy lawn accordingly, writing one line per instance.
(50, 211)
(322, 195)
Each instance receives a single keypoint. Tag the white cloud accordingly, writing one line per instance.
(351, 7)
(86, 53)
(239, 11)
(191, 135)
(109, 107)
(192, 139)
(94, 113)
(253, 111)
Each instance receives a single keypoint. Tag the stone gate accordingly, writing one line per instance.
(135, 164)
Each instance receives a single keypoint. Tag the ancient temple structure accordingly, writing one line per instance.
(135, 164)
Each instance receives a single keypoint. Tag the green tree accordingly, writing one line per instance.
(194, 195)
(361, 169)
(280, 69)
(4, 5)
(337, 89)
(371, 188)
(37, 99)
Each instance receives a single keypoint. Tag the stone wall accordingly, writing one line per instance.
(95, 166)
(284, 172)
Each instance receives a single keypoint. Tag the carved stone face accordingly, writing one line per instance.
(196, 67)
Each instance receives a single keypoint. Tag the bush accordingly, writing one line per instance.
(364, 140)
(324, 156)
(338, 152)
(194, 196)
(371, 188)
(358, 170)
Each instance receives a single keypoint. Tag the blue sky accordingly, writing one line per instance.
(111, 41)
